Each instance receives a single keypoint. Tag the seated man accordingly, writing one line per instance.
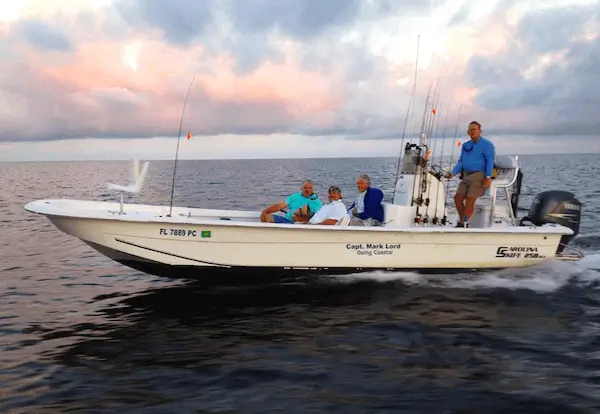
(333, 211)
(302, 205)
(366, 210)
(475, 166)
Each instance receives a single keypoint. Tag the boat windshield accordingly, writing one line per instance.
(410, 161)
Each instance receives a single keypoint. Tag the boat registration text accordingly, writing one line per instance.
(184, 232)
(378, 249)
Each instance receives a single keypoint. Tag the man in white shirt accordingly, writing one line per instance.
(333, 211)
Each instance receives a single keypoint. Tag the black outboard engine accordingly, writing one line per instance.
(555, 206)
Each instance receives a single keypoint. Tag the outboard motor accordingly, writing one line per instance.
(555, 206)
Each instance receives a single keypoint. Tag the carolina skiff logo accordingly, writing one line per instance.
(516, 252)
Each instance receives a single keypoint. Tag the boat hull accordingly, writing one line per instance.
(167, 248)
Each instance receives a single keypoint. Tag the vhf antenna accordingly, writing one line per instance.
(177, 150)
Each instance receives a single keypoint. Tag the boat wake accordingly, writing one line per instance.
(544, 278)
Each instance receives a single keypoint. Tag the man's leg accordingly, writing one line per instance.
(474, 191)
(274, 218)
(302, 215)
(470, 207)
(459, 201)
(356, 222)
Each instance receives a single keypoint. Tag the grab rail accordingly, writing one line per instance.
(506, 186)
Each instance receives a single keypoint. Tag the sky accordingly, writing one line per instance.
(107, 79)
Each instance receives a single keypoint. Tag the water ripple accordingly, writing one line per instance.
(79, 332)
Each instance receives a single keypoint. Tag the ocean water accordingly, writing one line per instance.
(80, 333)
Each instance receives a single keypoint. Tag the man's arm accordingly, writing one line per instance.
(489, 155)
(333, 216)
(273, 208)
(329, 222)
(372, 200)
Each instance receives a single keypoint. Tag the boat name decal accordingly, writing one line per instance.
(184, 233)
(369, 249)
(517, 252)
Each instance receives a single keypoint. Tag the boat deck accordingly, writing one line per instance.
(103, 210)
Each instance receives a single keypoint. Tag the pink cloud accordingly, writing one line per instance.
(96, 86)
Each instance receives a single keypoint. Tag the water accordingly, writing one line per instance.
(79, 332)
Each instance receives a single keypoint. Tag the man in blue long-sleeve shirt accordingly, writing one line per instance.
(475, 164)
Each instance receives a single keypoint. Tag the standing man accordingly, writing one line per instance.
(475, 168)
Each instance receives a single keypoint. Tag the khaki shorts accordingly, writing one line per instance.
(471, 185)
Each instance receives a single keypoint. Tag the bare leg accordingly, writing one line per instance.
(301, 215)
(460, 207)
(470, 207)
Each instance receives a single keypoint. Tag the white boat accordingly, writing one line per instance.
(416, 236)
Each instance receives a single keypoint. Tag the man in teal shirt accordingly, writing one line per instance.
(302, 206)
(475, 166)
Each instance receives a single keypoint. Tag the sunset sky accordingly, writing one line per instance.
(106, 79)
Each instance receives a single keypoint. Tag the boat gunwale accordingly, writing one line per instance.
(185, 220)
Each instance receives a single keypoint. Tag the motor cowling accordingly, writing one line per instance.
(559, 207)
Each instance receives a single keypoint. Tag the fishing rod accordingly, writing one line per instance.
(420, 134)
(412, 99)
(437, 195)
(177, 150)
(430, 114)
(451, 161)
(434, 132)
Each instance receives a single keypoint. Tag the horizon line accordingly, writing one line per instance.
(268, 158)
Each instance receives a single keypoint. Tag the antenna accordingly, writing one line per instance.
(177, 150)
(412, 101)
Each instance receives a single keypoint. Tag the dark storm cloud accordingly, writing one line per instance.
(41, 35)
(560, 97)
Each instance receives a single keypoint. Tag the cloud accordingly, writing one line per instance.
(180, 21)
(548, 72)
(338, 68)
(41, 35)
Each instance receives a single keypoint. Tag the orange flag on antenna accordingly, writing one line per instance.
(433, 110)
(458, 144)
(189, 135)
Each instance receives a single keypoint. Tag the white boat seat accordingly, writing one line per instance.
(138, 176)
